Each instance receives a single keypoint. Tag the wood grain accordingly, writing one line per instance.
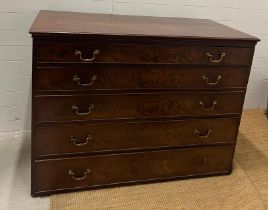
(65, 53)
(138, 77)
(151, 101)
(106, 170)
(56, 140)
(73, 23)
(109, 107)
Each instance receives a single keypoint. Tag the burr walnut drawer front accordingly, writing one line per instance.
(101, 170)
(116, 76)
(119, 53)
(126, 106)
(60, 140)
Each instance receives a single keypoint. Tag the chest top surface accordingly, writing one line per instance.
(74, 23)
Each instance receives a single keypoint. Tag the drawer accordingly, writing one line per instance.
(126, 106)
(123, 76)
(116, 53)
(61, 140)
(81, 172)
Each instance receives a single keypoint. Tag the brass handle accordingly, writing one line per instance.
(79, 177)
(200, 135)
(79, 53)
(212, 107)
(76, 142)
(75, 107)
(92, 80)
(216, 61)
(205, 78)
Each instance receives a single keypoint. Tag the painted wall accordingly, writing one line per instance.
(16, 17)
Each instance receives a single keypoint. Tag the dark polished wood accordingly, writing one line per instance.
(74, 139)
(94, 107)
(62, 52)
(136, 77)
(77, 24)
(120, 100)
(54, 174)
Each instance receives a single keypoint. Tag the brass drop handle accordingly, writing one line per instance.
(92, 80)
(80, 54)
(78, 143)
(76, 109)
(218, 79)
(79, 177)
(216, 61)
(200, 135)
(212, 107)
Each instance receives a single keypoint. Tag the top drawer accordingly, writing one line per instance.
(87, 53)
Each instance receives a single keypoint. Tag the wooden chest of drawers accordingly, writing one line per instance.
(121, 100)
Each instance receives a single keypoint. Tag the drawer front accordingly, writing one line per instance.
(111, 77)
(87, 53)
(60, 140)
(100, 170)
(126, 106)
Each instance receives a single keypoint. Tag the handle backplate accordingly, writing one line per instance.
(210, 56)
(201, 135)
(218, 79)
(91, 82)
(76, 109)
(79, 177)
(204, 107)
(79, 143)
(80, 54)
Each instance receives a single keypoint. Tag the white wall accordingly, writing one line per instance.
(16, 17)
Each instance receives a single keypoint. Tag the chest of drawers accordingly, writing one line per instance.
(120, 100)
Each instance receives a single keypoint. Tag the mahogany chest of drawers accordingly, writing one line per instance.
(120, 100)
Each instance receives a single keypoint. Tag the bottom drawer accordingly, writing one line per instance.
(92, 171)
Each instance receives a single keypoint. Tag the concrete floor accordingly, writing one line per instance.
(15, 174)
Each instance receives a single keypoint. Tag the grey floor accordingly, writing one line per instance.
(15, 174)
